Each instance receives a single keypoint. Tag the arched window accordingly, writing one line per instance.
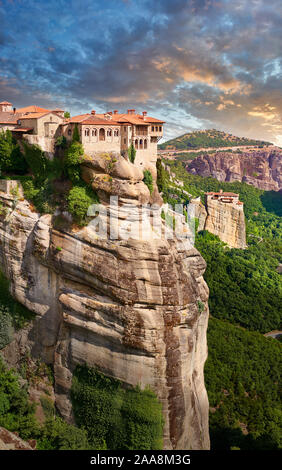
(141, 143)
(136, 143)
(109, 132)
(94, 132)
(102, 134)
(116, 133)
(153, 128)
(145, 143)
(86, 132)
(160, 128)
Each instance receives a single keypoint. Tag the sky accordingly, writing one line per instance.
(196, 64)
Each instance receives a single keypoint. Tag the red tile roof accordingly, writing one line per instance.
(6, 102)
(116, 119)
(88, 119)
(33, 109)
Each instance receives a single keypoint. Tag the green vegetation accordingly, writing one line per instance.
(131, 153)
(18, 415)
(72, 160)
(245, 288)
(11, 157)
(115, 417)
(79, 199)
(61, 142)
(12, 313)
(76, 136)
(49, 184)
(67, 114)
(148, 180)
(208, 138)
(242, 376)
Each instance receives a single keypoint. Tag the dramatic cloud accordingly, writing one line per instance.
(195, 63)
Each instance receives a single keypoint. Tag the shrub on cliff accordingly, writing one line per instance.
(80, 198)
(73, 158)
(131, 153)
(19, 315)
(148, 180)
(115, 417)
(11, 157)
(6, 327)
(37, 161)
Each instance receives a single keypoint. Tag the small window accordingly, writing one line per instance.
(51, 118)
(153, 128)
(69, 132)
(124, 141)
(109, 133)
(160, 129)
(94, 132)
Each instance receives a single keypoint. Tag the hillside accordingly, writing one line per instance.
(208, 138)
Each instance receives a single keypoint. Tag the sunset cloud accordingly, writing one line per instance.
(195, 63)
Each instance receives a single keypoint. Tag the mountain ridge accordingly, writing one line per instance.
(208, 138)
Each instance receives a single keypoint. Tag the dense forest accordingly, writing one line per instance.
(208, 138)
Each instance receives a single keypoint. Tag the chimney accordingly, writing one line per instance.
(93, 111)
(109, 112)
(131, 111)
(144, 115)
(115, 111)
(14, 109)
(221, 191)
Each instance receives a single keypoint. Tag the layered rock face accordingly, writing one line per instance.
(226, 220)
(134, 308)
(261, 168)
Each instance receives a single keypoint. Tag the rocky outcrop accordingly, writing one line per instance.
(200, 212)
(11, 441)
(224, 219)
(260, 168)
(127, 306)
(227, 221)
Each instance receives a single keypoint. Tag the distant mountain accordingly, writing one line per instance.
(208, 138)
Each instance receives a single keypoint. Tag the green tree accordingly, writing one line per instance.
(11, 157)
(73, 158)
(131, 153)
(67, 114)
(76, 136)
(148, 180)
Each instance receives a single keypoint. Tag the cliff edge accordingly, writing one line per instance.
(261, 168)
(135, 309)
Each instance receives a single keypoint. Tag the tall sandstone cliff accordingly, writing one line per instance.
(226, 220)
(135, 309)
(261, 168)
